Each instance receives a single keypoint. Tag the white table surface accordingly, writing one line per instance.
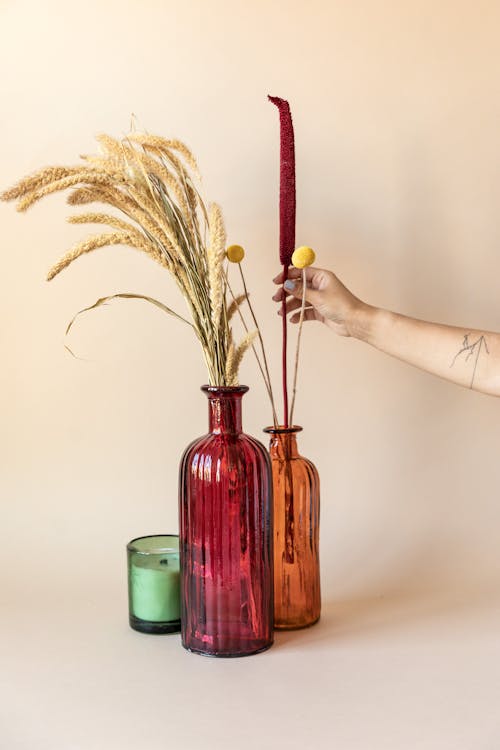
(400, 671)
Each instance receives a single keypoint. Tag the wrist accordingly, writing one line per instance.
(361, 323)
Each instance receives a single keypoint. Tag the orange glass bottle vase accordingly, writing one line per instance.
(297, 595)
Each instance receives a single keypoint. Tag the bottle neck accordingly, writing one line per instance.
(283, 443)
(224, 409)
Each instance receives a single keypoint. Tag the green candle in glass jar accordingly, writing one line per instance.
(153, 584)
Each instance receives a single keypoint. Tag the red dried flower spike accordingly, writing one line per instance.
(287, 218)
(287, 181)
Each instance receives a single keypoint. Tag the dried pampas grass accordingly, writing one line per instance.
(235, 356)
(149, 180)
(215, 257)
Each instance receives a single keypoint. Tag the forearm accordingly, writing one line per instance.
(464, 356)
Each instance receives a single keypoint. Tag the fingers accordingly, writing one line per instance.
(280, 294)
(283, 293)
(309, 314)
(293, 296)
(292, 304)
(293, 273)
(296, 273)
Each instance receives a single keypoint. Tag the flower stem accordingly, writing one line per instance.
(283, 358)
(267, 381)
(297, 350)
(261, 341)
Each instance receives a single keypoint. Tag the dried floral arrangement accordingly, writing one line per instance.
(300, 258)
(151, 181)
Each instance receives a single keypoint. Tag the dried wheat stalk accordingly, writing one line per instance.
(149, 180)
(236, 355)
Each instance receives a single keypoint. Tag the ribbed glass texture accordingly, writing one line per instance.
(297, 596)
(226, 536)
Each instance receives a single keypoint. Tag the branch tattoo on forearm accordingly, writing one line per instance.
(471, 351)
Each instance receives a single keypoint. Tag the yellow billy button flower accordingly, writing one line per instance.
(303, 256)
(235, 253)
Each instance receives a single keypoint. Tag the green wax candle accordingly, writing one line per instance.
(155, 589)
(154, 585)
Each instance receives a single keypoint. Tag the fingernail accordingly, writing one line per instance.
(289, 285)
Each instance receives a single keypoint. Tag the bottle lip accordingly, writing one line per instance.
(144, 545)
(224, 389)
(282, 430)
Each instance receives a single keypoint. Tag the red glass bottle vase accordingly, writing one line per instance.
(297, 595)
(226, 535)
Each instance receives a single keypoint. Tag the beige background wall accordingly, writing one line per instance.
(397, 110)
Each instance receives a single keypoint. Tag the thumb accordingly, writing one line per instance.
(295, 288)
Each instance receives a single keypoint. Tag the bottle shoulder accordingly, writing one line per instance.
(299, 466)
(214, 444)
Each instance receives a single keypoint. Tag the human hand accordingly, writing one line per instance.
(327, 299)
